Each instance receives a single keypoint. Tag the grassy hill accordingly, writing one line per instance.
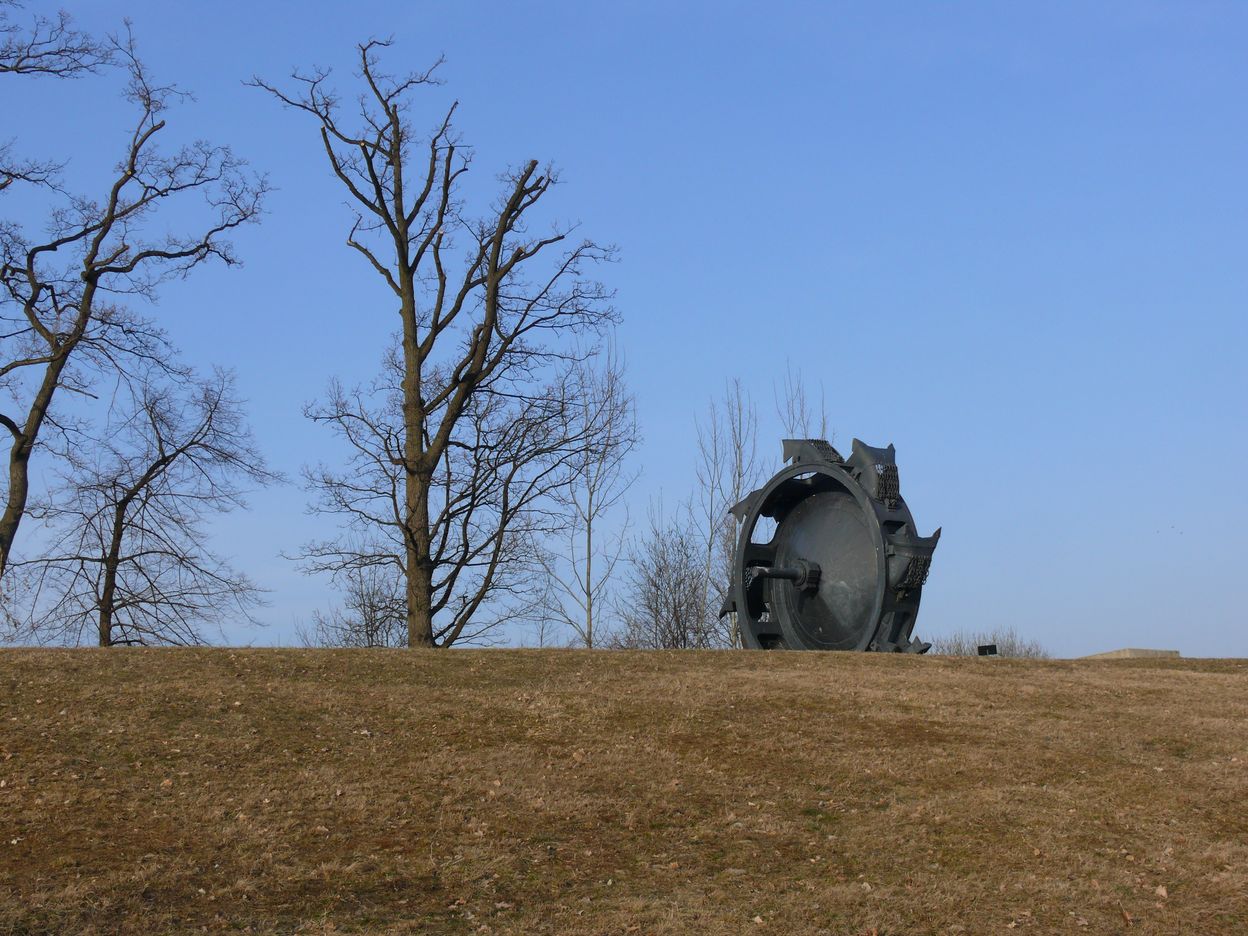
(149, 791)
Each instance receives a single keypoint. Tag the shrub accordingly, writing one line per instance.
(1008, 641)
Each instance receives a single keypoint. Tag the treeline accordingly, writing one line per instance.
(489, 456)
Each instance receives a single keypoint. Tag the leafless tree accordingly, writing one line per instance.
(663, 603)
(581, 559)
(127, 561)
(48, 46)
(460, 444)
(372, 612)
(796, 411)
(728, 468)
(550, 634)
(45, 47)
(495, 492)
(61, 321)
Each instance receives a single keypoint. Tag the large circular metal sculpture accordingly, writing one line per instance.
(828, 556)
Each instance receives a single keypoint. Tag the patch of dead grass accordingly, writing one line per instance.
(300, 791)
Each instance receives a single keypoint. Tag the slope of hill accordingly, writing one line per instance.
(149, 791)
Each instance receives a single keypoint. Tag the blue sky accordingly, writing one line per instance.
(1012, 239)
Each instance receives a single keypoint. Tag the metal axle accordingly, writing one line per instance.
(804, 575)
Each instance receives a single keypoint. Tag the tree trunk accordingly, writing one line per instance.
(417, 481)
(108, 594)
(589, 583)
(419, 562)
(15, 507)
(19, 458)
(419, 599)
(105, 628)
(418, 475)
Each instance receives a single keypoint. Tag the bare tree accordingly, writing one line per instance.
(48, 46)
(549, 633)
(472, 427)
(127, 562)
(796, 411)
(663, 603)
(496, 496)
(372, 612)
(581, 559)
(728, 468)
(60, 321)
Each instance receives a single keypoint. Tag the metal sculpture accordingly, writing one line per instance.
(828, 557)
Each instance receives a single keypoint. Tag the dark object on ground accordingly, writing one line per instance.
(987, 649)
(845, 567)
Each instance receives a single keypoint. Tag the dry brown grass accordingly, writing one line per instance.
(305, 791)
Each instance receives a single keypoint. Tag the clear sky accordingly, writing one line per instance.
(1010, 238)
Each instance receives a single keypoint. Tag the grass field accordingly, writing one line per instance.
(307, 791)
